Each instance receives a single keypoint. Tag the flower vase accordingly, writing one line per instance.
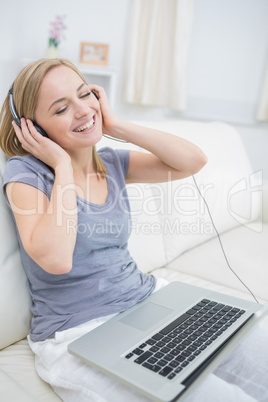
(52, 52)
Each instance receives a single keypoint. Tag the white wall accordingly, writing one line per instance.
(228, 54)
(24, 26)
(227, 61)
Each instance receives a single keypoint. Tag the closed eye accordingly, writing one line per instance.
(61, 110)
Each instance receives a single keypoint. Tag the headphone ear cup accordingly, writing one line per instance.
(96, 96)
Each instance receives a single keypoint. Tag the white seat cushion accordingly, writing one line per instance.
(247, 254)
(17, 364)
(14, 297)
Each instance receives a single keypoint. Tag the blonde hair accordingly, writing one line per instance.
(25, 92)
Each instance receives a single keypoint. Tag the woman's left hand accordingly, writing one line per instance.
(110, 120)
(170, 154)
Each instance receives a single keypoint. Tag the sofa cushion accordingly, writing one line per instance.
(14, 297)
(12, 391)
(247, 254)
(172, 274)
(17, 365)
(145, 229)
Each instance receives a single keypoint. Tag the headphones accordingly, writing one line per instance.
(16, 117)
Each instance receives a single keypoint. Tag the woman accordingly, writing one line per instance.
(58, 184)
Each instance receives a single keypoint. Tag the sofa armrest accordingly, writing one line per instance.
(11, 391)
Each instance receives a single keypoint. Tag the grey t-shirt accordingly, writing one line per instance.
(104, 278)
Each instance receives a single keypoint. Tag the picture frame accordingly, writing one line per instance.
(94, 53)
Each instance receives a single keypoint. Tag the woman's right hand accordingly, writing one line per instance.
(39, 146)
(48, 223)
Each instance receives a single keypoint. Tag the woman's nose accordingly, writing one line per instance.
(81, 109)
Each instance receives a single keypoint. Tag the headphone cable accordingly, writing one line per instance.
(222, 248)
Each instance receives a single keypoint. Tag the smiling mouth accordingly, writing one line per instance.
(86, 127)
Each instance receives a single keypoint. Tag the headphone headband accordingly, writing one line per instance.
(15, 114)
(12, 106)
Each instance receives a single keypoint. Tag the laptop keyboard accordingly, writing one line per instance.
(174, 347)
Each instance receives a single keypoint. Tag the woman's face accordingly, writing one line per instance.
(67, 110)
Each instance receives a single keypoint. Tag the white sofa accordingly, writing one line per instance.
(172, 237)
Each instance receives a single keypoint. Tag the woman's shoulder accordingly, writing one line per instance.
(114, 159)
(27, 162)
(112, 153)
(28, 170)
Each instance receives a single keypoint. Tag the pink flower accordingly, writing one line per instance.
(56, 31)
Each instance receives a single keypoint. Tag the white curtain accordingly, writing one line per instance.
(263, 105)
(159, 37)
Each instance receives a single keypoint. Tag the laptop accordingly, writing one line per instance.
(164, 344)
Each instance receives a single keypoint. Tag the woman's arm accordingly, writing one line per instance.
(47, 227)
(170, 158)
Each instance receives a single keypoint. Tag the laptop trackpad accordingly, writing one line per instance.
(146, 316)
